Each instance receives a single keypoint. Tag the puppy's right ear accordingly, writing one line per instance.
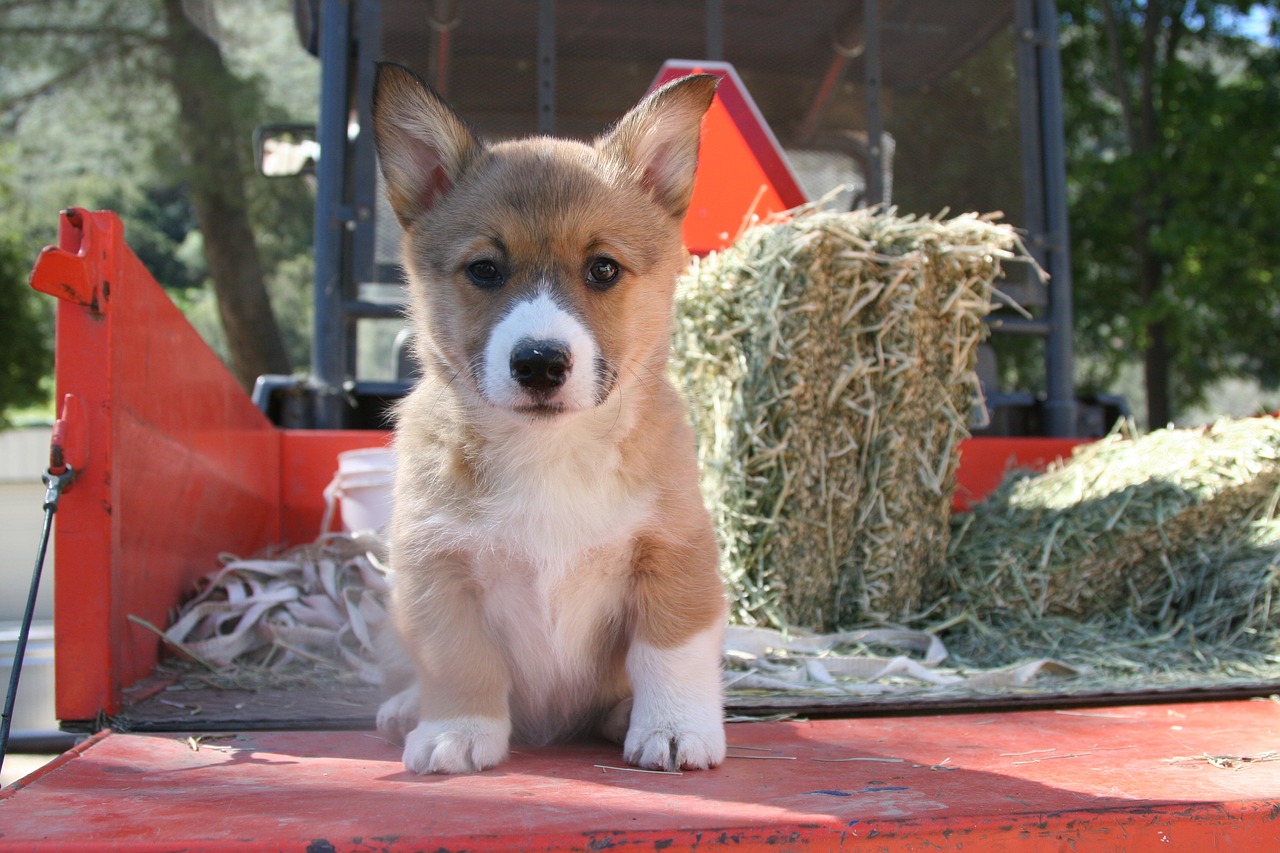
(423, 145)
(657, 141)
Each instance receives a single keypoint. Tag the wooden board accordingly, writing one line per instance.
(158, 705)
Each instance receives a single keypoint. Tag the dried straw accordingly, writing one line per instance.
(1154, 557)
(316, 605)
(829, 364)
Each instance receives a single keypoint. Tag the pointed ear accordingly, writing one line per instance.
(423, 145)
(657, 141)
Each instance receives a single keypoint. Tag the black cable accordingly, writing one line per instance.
(54, 484)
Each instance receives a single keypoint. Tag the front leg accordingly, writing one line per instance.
(677, 716)
(463, 721)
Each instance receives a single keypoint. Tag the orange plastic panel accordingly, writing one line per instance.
(742, 169)
(175, 464)
(985, 461)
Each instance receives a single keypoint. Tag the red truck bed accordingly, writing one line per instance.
(1149, 777)
(176, 465)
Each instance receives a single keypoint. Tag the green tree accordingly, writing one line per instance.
(1173, 153)
(158, 62)
(26, 333)
(26, 321)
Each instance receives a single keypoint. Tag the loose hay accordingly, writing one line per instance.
(829, 364)
(1150, 558)
(1143, 561)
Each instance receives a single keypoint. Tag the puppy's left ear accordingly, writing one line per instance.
(657, 141)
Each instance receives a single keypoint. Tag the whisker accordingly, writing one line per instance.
(648, 378)
(453, 374)
(617, 415)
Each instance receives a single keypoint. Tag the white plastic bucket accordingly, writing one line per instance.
(361, 489)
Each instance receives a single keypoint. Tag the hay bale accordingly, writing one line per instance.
(828, 361)
(1123, 525)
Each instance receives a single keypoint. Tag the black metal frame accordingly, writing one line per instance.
(349, 43)
(1045, 188)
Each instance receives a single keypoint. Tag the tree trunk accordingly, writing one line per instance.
(1156, 376)
(1150, 212)
(211, 138)
(1155, 355)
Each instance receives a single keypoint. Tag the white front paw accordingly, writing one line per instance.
(461, 745)
(674, 745)
(677, 716)
(398, 715)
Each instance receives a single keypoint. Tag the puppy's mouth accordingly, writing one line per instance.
(541, 410)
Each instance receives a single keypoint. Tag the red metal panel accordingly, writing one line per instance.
(85, 656)
(176, 464)
(308, 460)
(1161, 777)
(984, 462)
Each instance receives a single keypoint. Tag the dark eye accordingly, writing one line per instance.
(484, 274)
(603, 272)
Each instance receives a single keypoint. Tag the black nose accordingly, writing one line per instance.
(540, 365)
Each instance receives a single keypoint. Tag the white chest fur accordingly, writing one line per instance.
(556, 493)
(549, 545)
(557, 639)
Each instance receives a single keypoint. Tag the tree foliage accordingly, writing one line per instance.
(26, 328)
(132, 105)
(1174, 171)
(1173, 160)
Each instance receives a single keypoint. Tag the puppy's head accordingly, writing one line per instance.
(541, 270)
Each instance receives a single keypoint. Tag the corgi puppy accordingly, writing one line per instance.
(554, 568)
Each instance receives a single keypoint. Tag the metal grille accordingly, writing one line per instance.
(922, 104)
(943, 72)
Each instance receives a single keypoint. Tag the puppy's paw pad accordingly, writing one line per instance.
(671, 749)
(463, 745)
(399, 715)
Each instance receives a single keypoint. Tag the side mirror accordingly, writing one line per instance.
(286, 150)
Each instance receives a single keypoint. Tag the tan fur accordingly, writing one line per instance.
(530, 553)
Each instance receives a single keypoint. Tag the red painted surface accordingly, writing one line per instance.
(984, 462)
(742, 169)
(174, 463)
(1124, 778)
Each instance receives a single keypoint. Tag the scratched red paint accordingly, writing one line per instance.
(1113, 779)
